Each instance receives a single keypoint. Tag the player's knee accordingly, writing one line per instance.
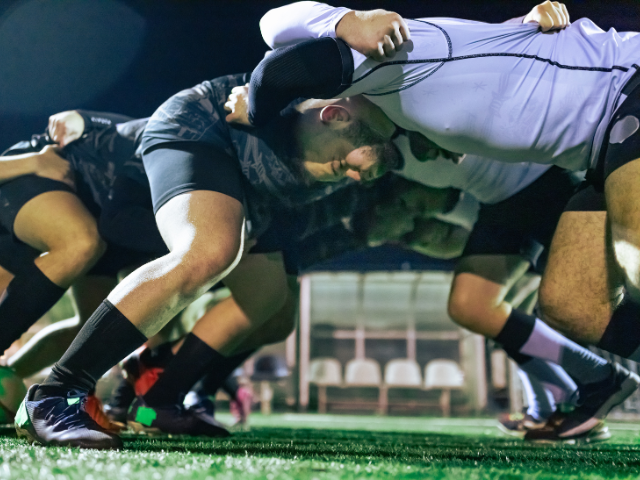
(549, 299)
(555, 310)
(280, 326)
(200, 268)
(84, 251)
(461, 308)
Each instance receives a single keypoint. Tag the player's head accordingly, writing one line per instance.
(346, 138)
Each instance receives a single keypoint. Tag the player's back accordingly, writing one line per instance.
(504, 90)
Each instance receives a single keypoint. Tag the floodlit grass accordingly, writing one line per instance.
(286, 447)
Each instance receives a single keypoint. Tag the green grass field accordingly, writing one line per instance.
(335, 447)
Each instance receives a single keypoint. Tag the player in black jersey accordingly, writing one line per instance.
(198, 190)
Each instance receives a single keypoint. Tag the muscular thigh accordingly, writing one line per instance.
(580, 286)
(259, 284)
(54, 219)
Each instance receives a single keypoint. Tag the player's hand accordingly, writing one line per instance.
(549, 15)
(65, 127)
(49, 164)
(238, 106)
(378, 34)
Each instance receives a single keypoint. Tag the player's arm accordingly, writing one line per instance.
(45, 163)
(318, 68)
(377, 34)
(66, 127)
(437, 238)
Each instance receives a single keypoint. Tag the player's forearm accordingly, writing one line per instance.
(300, 21)
(13, 166)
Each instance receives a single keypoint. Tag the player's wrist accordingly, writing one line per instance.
(345, 25)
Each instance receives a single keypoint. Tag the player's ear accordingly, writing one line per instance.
(333, 114)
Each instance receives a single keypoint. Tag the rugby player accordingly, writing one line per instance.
(552, 98)
(197, 168)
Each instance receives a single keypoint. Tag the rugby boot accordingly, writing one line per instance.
(549, 433)
(172, 419)
(518, 424)
(118, 406)
(95, 409)
(198, 400)
(62, 421)
(594, 404)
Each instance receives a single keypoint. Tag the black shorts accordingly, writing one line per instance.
(621, 143)
(17, 192)
(524, 223)
(174, 168)
(588, 198)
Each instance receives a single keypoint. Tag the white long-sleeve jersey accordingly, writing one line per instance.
(500, 91)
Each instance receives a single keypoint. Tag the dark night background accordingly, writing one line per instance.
(128, 56)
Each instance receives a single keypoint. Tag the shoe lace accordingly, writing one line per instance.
(72, 415)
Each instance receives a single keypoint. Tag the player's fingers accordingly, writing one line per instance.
(397, 36)
(378, 54)
(404, 30)
(388, 47)
(546, 22)
(566, 14)
(559, 19)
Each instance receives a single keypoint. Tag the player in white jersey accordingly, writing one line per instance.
(503, 91)
(499, 252)
(524, 71)
(496, 90)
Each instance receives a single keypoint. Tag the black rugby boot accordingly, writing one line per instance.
(62, 421)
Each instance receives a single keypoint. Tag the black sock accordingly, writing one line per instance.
(528, 335)
(231, 386)
(27, 298)
(106, 338)
(191, 362)
(221, 372)
(622, 335)
(515, 333)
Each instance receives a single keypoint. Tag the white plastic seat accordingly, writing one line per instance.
(363, 372)
(444, 374)
(399, 373)
(402, 372)
(325, 372)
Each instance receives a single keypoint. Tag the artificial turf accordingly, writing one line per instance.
(288, 447)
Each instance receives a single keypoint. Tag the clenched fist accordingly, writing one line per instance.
(378, 34)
